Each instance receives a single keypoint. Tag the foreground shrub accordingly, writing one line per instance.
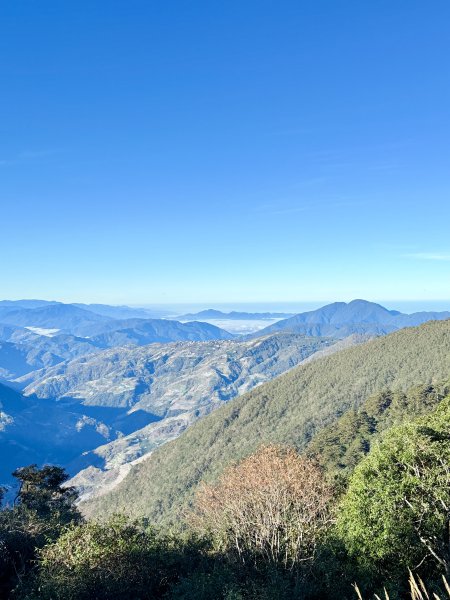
(396, 512)
(119, 559)
(274, 506)
(42, 509)
(417, 590)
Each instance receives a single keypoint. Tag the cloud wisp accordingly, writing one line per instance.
(436, 256)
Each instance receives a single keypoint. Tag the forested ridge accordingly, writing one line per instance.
(271, 512)
(270, 526)
(340, 446)
(289, 410)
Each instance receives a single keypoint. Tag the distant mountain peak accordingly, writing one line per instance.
(341, 319)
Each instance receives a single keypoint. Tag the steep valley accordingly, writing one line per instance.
(141, 397)
(291, 409)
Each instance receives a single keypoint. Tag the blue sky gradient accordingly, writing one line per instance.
(220, 152)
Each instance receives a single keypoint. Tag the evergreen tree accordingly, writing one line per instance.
(396, 512)
(42, 509)
(43, 492)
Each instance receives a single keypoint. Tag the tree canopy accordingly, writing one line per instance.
(396, 512)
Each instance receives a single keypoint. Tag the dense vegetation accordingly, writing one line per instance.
(289, 410)
(340, 446)
(270, 527)
(276, 524)
(41, 511)
(395, 514)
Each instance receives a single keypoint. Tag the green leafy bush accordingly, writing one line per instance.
(120, 559)
(396, 512)
(43, 508)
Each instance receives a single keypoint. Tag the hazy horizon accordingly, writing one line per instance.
(179, 308)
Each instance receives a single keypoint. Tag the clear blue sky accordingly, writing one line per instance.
(190, 151)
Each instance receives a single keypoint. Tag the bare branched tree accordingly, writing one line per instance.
(273, 505)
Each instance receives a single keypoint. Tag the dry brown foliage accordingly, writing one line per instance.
(273, 505)
(417, 590)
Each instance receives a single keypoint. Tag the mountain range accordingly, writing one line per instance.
(212, 314)
(120, 312)
(291, 409)
(107, 386)
(138, 326)
(341, 319)
(151, 394)
(42, 335)
(134, 398)
(70, 319)
(64, 318)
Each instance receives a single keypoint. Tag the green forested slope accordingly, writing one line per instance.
(291, 409)
(340, 446)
